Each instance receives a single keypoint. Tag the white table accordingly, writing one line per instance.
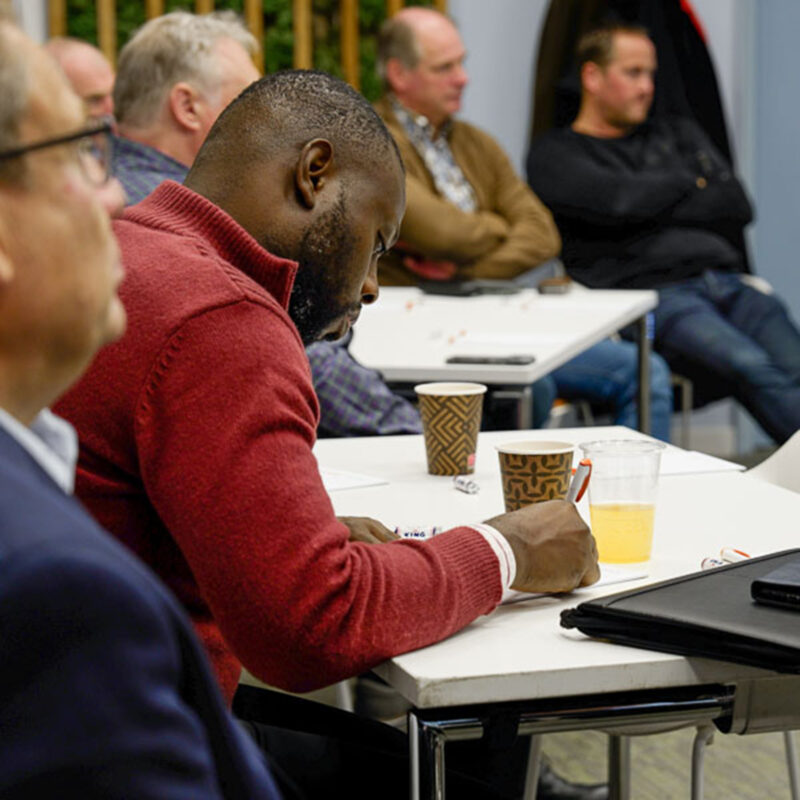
(517, 665)
(408, 335)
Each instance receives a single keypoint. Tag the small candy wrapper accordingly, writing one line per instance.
(466, 484)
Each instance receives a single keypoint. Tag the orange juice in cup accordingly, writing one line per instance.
(622, 495)
(623, 531)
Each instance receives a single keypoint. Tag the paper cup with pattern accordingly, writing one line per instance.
(533, 471)
(451, 419)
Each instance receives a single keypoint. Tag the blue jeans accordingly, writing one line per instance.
(608, 375)
(718, 329)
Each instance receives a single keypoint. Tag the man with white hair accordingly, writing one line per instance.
(175, 76)
(88, 71)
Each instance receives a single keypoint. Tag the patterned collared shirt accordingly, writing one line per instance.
(447, 176)
(354, 400)
(140, 168)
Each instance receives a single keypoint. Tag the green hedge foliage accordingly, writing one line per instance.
(278, 37)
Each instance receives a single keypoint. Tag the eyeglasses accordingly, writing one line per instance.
(93, 147)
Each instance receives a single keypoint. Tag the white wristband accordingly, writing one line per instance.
(502, 549)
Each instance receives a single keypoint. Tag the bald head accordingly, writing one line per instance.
(421, 59)
(88, 71)
(275, 117)
(422, 20)
(304, 164)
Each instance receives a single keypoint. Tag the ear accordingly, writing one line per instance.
(591, 74)
(396, 73)
(184, 101)
(313, 170)
(6, 264)
(6, 271)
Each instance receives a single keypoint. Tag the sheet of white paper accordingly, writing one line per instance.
(609, 574)
(675, 461)
(687, 462)
(335, 480)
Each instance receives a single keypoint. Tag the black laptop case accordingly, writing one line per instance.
(709, 613)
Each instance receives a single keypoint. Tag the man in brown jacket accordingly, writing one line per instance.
(469, 214)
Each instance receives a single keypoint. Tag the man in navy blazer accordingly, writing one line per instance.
(105, 692)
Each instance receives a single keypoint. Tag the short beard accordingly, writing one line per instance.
(324, 257)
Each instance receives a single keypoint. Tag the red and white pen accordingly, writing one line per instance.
(730, 555)
(727, 555)
(580, 480)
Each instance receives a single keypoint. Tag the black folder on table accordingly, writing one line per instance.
(709, 613)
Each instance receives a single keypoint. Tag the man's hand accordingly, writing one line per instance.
(553, 546)
(364, 529)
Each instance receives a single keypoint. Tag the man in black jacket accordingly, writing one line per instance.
(652, 204)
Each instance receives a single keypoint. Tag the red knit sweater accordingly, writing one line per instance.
(196, 434)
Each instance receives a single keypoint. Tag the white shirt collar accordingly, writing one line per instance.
(51, 441)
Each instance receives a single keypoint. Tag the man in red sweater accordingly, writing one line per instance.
(197, 427)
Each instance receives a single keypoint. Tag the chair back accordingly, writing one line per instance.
(783, 467)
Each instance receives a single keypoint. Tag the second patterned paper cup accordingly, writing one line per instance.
(533, 471)
(451, 419)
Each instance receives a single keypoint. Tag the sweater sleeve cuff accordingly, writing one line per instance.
(503, 552)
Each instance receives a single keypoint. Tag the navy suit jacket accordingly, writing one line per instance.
(104, 689)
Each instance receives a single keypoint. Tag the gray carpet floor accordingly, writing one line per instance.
(736, 767)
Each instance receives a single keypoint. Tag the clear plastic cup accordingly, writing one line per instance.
(622, 497)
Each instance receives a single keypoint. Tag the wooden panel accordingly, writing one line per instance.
(393, 6)
(57, 17)
(204, 6)
(254, 17)
(153, 8)
(107, 29)
(350, 60)
(301, 24)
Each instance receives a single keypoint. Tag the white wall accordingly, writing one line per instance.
(777, 125)
(32, 16)
(501, 39)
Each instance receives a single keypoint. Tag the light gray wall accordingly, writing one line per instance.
(777, 125)
(32, 16)
(501, 39)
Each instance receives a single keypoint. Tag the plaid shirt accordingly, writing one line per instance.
(140, 168)
(354, 400)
